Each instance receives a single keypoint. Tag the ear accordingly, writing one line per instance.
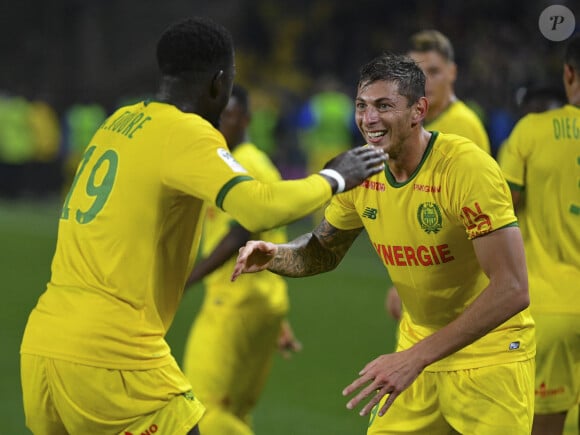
(217, 84)
(419, 111)
(247, 119)
(453, 71)
(568, 74)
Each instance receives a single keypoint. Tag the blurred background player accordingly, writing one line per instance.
(434, 54)
(541, 161)
(231, 344)
(326, 126)
(539, 98)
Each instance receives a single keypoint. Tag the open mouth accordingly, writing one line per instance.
(375, 135)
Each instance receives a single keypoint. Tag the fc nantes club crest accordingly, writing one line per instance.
(429, 217)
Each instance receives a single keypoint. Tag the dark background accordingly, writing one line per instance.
(102, 50)
(67, 53)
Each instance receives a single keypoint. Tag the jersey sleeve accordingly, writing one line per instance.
(200, 164)
(259, 206)
(197, 161)
(479, 195)
(341, 212)
(513, 154)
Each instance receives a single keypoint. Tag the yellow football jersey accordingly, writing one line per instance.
(266, 287)
(459, 119)
(542, 157)
(128, 226)
(421, 230)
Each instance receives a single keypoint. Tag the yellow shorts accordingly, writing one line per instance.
(557, 362)
(62, 397)
(244, 342)
(484, 401)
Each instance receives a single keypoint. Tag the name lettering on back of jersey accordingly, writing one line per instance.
(370, 213)
(475, 220)
(127, 124)
(374, 185)
(226, 156)
(397, 255)
(429, 217)
(566, 128)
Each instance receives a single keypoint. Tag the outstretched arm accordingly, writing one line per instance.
(501, 256)
(258, 206)
(310, 254)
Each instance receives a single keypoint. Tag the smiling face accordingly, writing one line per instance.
(384, 116)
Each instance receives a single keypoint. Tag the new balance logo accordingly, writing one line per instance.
(370, 213)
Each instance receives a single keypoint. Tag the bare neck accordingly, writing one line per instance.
(179, 94)
(435, 111)
(406, 162)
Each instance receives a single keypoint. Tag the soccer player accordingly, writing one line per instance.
(94, 358)
(440, 218)
(541, 161)
(434, 54)
(240, 323)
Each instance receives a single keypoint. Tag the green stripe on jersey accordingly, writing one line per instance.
(227, 187)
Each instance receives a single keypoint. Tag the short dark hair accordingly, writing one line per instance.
(241, 95)
(432, 40)
(194, 45)
(395, 68)
(572, 53)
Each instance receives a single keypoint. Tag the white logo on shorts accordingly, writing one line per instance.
(514, 345)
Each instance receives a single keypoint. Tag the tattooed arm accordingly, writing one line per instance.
(310, 254)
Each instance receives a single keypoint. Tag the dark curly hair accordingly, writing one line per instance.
(194, 45)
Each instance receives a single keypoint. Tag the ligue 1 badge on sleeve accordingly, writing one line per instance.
(557, 23)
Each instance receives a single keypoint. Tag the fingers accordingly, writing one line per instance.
(238, 268)
(253, 257)
(244, 253)
(388, 403)
(380, 392)
(375, 159)
(290, 347)
(375, 400)
(354, 386)
(365, 392)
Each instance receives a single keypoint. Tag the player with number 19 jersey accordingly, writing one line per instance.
(457, 193)
(130, 221)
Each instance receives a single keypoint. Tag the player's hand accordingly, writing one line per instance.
(287, 342)
(358, 164)
(388, 374)
(254, 256)
(393, 304)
